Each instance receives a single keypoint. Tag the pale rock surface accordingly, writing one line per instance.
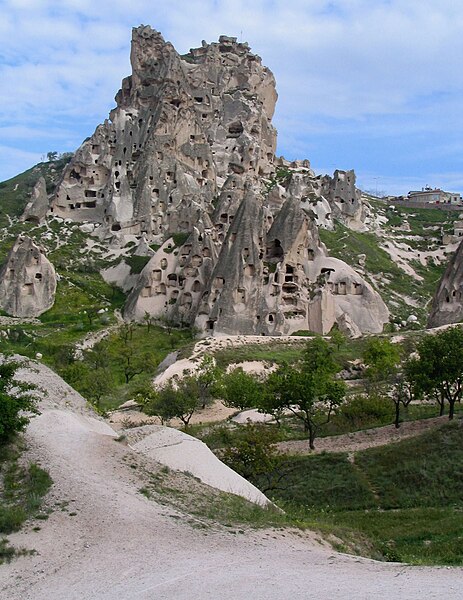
(36, 209)
(447, 304)
(189, 153)
(27, 280)
(183, 452)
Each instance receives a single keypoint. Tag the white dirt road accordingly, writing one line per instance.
(105, 541)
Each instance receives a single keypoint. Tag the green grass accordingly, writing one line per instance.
(405, 480)
(146, 350)
(22, 488)
(275, 353)
(392, 281)
(137, 263)
(405, 499)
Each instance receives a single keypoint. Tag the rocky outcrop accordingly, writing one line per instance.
(447, 304)
(27, 280)
(37, 207)
(189, 151)
(257, 281)
(182, 126)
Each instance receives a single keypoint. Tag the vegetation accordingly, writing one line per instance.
(310, 391)
(254, 457)
(402, 500)
(181, 398)
(22, 488)
(240, 390)
(16, 400)
(120, 366)
(438, 372)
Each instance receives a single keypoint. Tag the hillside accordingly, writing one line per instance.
(183, 540)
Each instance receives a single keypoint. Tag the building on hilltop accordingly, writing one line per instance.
(434, 196)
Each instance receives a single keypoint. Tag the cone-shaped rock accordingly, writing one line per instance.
(27, 280)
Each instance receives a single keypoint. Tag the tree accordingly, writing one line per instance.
(207, 377)
(438, 372)
(51, 156)
(16, 400)
(309, 395)
(127, 354)
(269, 403)
(179, 399)
(240, 390)
(309, 391)
(255, 457)
(148, 319)
(401, 394)
(382, 358)
(337, 338)
(91, 313)
(96, 384)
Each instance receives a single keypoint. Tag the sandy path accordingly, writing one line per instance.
(111, 543)
(361, 440)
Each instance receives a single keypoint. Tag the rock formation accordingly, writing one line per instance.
(27, 280)
(447, 304)
(190, 148)
(37, 207)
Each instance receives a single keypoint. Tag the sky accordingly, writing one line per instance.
(373, 85)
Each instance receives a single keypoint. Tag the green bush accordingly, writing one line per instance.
(16, 399)
(363, 410)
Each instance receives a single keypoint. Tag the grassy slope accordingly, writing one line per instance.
(22, 488)
(392, 282)
(405, 498)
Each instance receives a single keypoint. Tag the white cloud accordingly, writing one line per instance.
(344, 68)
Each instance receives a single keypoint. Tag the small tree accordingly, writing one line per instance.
(310, 391)
(148, 319)
(240, 390)
(382, 358)
(438, 372)
(310, 395)
(207, 378)
(16, 400)
(337, 338)
(255, 457)
(96, 384)
(401, 394)
(179, 399)
(51, 156)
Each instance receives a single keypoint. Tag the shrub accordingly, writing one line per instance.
(16, 399)
(361, 410)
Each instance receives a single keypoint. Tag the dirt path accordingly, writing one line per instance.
(361, 440)
(104, 540)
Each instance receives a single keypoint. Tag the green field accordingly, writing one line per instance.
(405, 500)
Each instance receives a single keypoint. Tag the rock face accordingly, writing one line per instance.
(182, 126)
(257, 282)
(27, 280)
(447, 304)
(189, 152)
(37, 208)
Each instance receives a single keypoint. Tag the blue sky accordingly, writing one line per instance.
(374, 85)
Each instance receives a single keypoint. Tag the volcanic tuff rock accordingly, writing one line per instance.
(447, 304)
(37, 207)
(27, 280)
(190, 148)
